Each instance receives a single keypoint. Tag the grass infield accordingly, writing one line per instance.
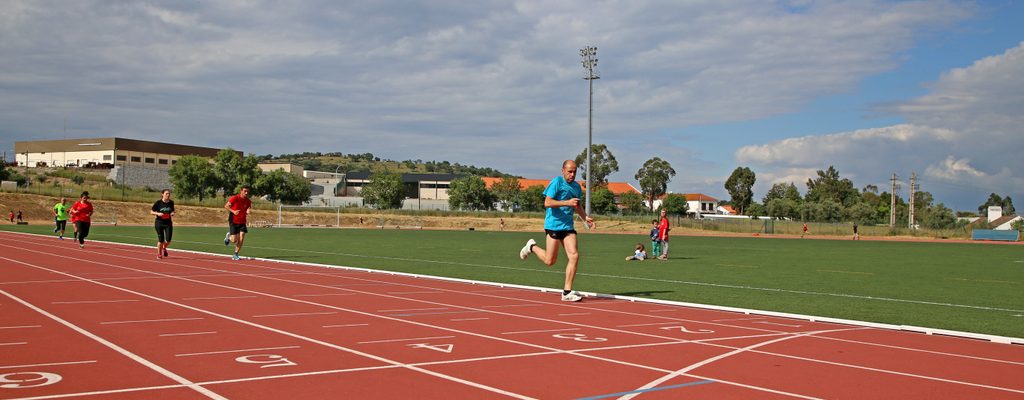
(958, 286)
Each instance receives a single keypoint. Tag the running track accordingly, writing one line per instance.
(111, 321)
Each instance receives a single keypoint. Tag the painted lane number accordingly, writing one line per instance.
(579, 337)
(683, 329)
(21, 380)
(444, 348)
(270, 360)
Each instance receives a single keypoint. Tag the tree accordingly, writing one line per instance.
(384, 191)
(756, 210)
(469, 193)
(781, 208)
(996, 200)
(77, 179)
(4, 173)
(654, 177)
(785, 191)
(675, 205)
(603, 201)
(225, 170)
(938, 217)
(532, 198)
(282, 186)
(861, 213)
(829, 186)
(602, 162)
(632, 202)
(739, 187)
(506, 193)
(192, 176)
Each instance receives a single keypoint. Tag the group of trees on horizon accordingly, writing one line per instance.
(195, 177)
(367, 162)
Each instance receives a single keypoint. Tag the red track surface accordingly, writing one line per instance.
(110, 321)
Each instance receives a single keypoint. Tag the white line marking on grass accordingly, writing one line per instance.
(541, 331)
(219, 298)
(46, 364)
(468, 319)
(188, 333)
(983, 280)
(406, 340)
(13, 344)
(93, 301)
(21, 327)
(119, 349)
(343, 325)
(150, 320)
(295, 314)
(234, 351)
(836, 271)
(323, 294)
(737, 266)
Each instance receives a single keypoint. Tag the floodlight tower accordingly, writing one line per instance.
(589, 55)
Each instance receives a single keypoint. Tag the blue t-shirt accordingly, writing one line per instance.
(560, 218)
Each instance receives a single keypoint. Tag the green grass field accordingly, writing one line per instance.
(965, 287)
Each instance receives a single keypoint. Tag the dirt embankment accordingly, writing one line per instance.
(39, 210)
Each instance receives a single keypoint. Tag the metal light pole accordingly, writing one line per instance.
(589, 55)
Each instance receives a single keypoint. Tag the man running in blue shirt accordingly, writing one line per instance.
(561, 199)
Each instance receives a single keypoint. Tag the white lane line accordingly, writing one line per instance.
(358, 284)
(406, 340)
(468, 319)
(497, 290)
(219, 298)
(46, 364)
(572, 314)
(135, 357)
(737, 319)
(422, 292)
(540, 331)
(234, 351)
(323, 294)
(343, 325)
(21, 326)
(514, 305)
(188, 334)
(649, 324)
(776, 323)
(13, 343)
(93, 301)
(664, 310)
(295, 314)
(414, 309)
(139, 321)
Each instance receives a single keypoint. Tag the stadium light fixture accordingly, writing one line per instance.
(589, 55)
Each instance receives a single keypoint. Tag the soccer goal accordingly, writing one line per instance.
(308, 216)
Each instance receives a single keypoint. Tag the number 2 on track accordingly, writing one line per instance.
(271, 360)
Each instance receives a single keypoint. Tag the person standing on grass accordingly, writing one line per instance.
(561, 199)
(163, 209)
(238, 207)
(856, 236)
(60, 217)
(81, 217)
(655, 242)
(663, 234)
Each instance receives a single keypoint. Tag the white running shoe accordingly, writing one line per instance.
(525, 252)
(227, 238)
(572, 296)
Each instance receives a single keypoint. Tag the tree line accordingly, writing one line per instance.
(198, 177)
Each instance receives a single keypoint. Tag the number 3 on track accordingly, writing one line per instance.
(271, 360)
(21, 380)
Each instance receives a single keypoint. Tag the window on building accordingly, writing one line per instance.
(174, 162)
(122, 158)
(136, 159)
(150, 160)
(162, 162)
(106, 157)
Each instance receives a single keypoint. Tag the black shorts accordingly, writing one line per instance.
(62, 225)
(234, 228)
(559, 235)
(164, 231)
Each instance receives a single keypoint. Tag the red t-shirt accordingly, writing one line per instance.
(240, 204)
(81, 211)
(663, 229)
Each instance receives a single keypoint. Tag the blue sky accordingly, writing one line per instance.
(785, 88)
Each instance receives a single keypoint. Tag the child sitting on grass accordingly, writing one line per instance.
(639, 254)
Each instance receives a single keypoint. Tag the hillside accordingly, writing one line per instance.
(366, 162)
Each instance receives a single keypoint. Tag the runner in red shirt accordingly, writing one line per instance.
(238, 206)
(81, 217)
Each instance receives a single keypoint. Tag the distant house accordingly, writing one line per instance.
(727, 210)
(1005, 223)
(697, 204)
(287, 167)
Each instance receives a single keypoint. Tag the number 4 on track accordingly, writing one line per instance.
(444, 348)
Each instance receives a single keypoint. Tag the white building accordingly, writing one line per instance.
(104, 152)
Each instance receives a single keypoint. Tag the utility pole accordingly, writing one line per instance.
(913, 188)
(589, 55)
(892, 203)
